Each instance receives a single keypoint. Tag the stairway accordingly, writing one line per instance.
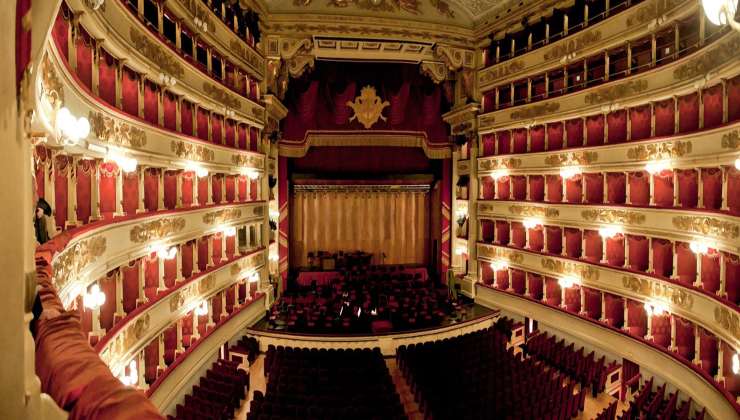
(404, 391)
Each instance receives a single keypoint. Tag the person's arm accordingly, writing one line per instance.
(51, 227)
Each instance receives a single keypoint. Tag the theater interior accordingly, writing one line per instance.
(370, 209)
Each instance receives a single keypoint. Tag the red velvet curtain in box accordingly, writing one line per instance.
(203, 190)
(733, 99)
(664, 117)
(85, 319)
(555, 136)
(638, 252)
(130, 192)
(216, 128)
(573, 299)
(84, 171)
(202, 117)
(151, 361)
(186, 118)
(84, 47)
(592, 303)
(573, 242)
(216, 188)
(574, 132)
(616, 187)
(615, 251)
(712, 100)
(230, 133)
(536, 188)
(107, 186)
(554, 188)
(685, 264)
(636, 318)
(503, 188)
(574, 189)
(488, 145)
(537, 138)
(242, 133)
(396, 111)
(519, 137)
(254, 190)
(489, 101)
(536, 238)
(554, 239)
(254, 138)
(216, 303)
(593, 243)
(229, 181)
(151, 275)
(170, 189)
(486, 273)
(169, 110)
(663, 189)
(60, 31)
(684, 338)
(712, 180)
(151, 188)
(242, 185)
(170, 344)
(187, 188)
(617, 126)
(661, 330)
(487, 230)
(502, 232)
(519, 187)
(732, 277)
(710, 276)
(502, 279)
(662, 257)
(594, 130)
(203, 258)
(614, 310)
(535, 285)
(518, 234)
(552, 291)
(518, 278)
(218, 239)
(503, 139)
(107, 65)
(639, 122)
(187, 259)
(151, 102)
(688, 188)
(342, 112)
(594, 188)
(639, 188)
(688, 113)
(108, 308)
(708, 351)
(170, 272)
(130, 92)
(61, 168)
(130, 274)
(487, 188)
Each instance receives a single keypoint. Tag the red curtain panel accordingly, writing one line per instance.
(169, 111)
(519, 187)
(537, 138)
(107, 65)
(489, 101)
(592, 303)
(638, 252)
(639, 188)
(662, 257)
(502, 279)
(688, 113)
(733, 99)
(170, 344)
(151, 361)
(573, 299)
(487, 188)
(502, 188)
(708, 351)
(617, 126)
(685, 264)
(202, 123)
(536, 239)
(688, 188)
(170, 272)
(243, 137)
(616, 187)
(151, 102)
(710, 275)
(151, 189)
(536, 188)
(130, 92)
(712, 101)
(487, 140)
(186, 118)
(397, 109)
(552, 291)
(593, 244)
(663, 189)
(732, 277)
(684, 338)
(242, 181)
(502, 232)
(60, 31)
(216, 128)
(535, 285)
(519, 137)
(664, 117)
(661, 330)
(594, 130)
(187, 259)
(254, 138)
(712, 180)
(61, 168)
(486, 274)
(554, 239)
(130, 274)
(487, 230)
(84, 47)
(614, 310)
(203, 191)
(573, 242)
(639, 122)
(230, 133)
(187, 188)
(574, 132)
(107, 185)
(108, 308)
(130, 192)
(216, 181)
(85, 172)
(574, 189)
(217, 245)
(594, 188)
(554, 136)
(170, 189)
(518, 278)
(615, 251)
(636, 318)
(230, 246)
(202, 254)
(518, 234)
(554, 188)
(503, 138)
(254, 190)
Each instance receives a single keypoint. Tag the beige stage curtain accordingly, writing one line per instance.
(391, 222)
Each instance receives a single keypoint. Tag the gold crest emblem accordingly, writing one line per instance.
(368, 107)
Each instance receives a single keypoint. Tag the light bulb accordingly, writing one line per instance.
(251, 174)
(699, 247)
(202, 309)
(737, 164)
(717, 11)
(567, 172)
(609, 231)
(736, 364)
(94, 299)
(657, 166)
(499, 265)
(568, 282)
(273, 257)
(499, 173)
(459, 250)
(230, 231)
(656, 308)
(531, 223)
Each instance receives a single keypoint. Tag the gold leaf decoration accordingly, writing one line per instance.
(492, 252)
(124, 341)
(52, 86)
(221, 216)
(584, 271)
(533, 211)
(191, 151)
(368, 107)
(506, 163)
(410, 6)
(501, 70)
(221, 96)
(703, 63)
(487, 120)
(248, 55)
(573, 45)
(73, 260)
(535, 111)
(657, 151)
(156, 229)
(192, 292)
(650, 289)
(115, 131)
(731, 140)
(651, 11)
(728, 320)
(157, 54)
(614, 93)
(707, 226)
(484, 208)
(613, 216)
(252, 161)
(571, 159)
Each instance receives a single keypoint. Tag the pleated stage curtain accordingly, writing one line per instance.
(395, 223)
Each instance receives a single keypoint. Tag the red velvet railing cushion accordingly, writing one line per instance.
(594, 188)
(638, 252)
(574, 189)
(593, 244)
(502, 232)
(639, 188)
(555, 136)
(519, 137)
(685, 264)
(503, 188)
(639, 122)
(574, 132)
(518, 232)
(712, 180)
(662, 257)
(537, 138)
(616, 187)
(712, 101)
(710, 267)
(169, 111)
(617, 126)
(554, 188)
(664, 117)
(186, 118)
(554, 239)
(107, 77)
(535, 285)
(663, 189)
(503, 140)
(130, 91)
(732, 278)
(688, 113)
(536, 188)
(202, 117)
(573, 242)
(733, 98)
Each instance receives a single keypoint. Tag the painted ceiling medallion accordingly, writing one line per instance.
(368, 107)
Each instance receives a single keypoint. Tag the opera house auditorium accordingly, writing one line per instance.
(370, 209)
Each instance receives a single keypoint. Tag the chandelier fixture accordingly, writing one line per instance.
(721, 12)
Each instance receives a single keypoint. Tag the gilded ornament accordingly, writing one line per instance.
(221, 216)
(533, 211)
(570, 46)
(191, 151)
(156, 229)
(435, 70)
(443, 8)
(486, 120)
(707, 226)
(195, 7)
(651, 11)
(658, 151)
(157, 54)
(252, 161)
(613, 216)
(728, 320)
(485, 208)
(247, 54)
(614, 93)
(492, 252)
(72, 261)
(703, 63)
(731, 140)
(501, 70)
(115, 131)
(368, 107)
(355, 28)
(52, 86)
(584, 271)
(505, 163)
(535, 111)
(650, 289)
(571, 159)
(221, 96)
(392, 6)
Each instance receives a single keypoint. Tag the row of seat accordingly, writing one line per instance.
(217, 395)
(653, 404)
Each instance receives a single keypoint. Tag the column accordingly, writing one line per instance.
(627, 188)
(626, 251)
(652, 189)
(209, 257)
(700, 189)
(722, 292)
(94, 191)
(674, 172)
(674, 269)
(71, 192)
(160, 274)
(119, 295)
(583, 300)
(564, 195)
(142, 281)
(673, 333)
(210, 322)
(196, 332)
(583, 243)
(625, 325)
(178, 187)
(223, 314)
(563, 243)
(196, 180)
(196, 269)
(698, 282)
(604, 188)
(119, 191)
(650, 255)
(180, 349)
(562, 296)
(160, 189)
(141, 208)
(223, 247)
(210, 189)
(141, 369)
(223, 188)
(697, 347)
(725, 181)
(603, 307)
(603, 249)
(161, 364)
(649, 335)
(720, 377)
(178, 271)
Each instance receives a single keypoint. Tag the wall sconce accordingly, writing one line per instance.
(166, 253)
(657, 166)
(569, 281)
(199, 171)
(656, 308)
(93, 299)
(499, 265)
(700, 247)
(133, 375)
(499, 173)
(70, 130)
(273, 257)
(737, 164)
(229, 113)
(201, 309)
(610, 231)
(250, 173)
(200, 24)
(567, 172)
(167, 80)
(125, 163)
(230, 231)
(531, 223)
(736, 364)
(460, 250)
(721, 12)
(254, 277)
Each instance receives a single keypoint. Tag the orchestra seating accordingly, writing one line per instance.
(326, 384)
(653, 404)
(376, 301)
(609, 413)
(485, 381)
(584, 369)
(217, 395)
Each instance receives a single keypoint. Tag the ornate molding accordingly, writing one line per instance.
(156, 229)
(573, 45)
(709, 60)
(487, 120)
(707, 226)
(353, 28)
(533, 211)
(251, 161)
(731, 140)
(651, 289)
(246, 54)
(221, 96)
(126, 339)
(651, 11)
(191, 293)
(584, 271)
(657, 151)
(190, 151)
(455, 58)
(499, 71)
(114, 131)
(156, 53)
(570, 159)
(613, 216)
(535, 111)
(505, 163)
(614, 93)
(435, 70)
(500, 253)
(368, 107)
(221, 216)
(51, 84)
(728, 320)
(73, 261)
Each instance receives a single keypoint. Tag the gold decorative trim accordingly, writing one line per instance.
(352, 28)
(613, 93)
(221, 96)
(570, 159)
(613, 216)
(731, 140)
(115, 131)
(221, 216)
(651, 11)
(707, 226)
(190, 151)
(535, 111)
(51, 84)
(487, 120)
(193, 292)
(561, 267)
(573, 45)
(435, 70)
(156, 229)
(369, 138)
(500, 71)
(505, 163)
(705, 62)
(252, 161)
(728, 320)
(126, 339)
(659, 151)
(73, 260)
(156, 53)
(246, 54)
(533, 211)
(368, 107)
(501, 253)
(651, 289)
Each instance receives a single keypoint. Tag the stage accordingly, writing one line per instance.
(324, 278)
